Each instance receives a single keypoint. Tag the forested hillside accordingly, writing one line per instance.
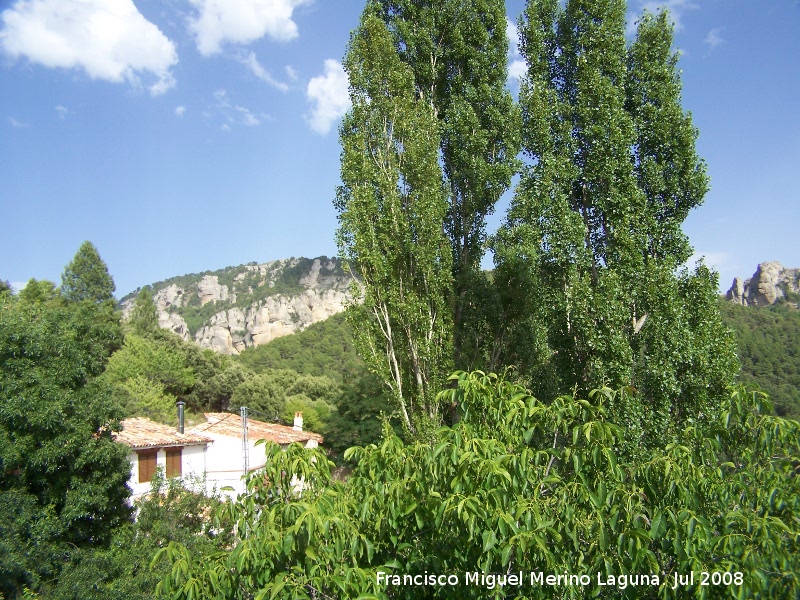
(768, 342)
(324, 348)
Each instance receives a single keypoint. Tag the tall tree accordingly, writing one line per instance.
(62, 478)
(457, 51)
(391, 208)
(86, 277)
(453, 58)
(594, 231)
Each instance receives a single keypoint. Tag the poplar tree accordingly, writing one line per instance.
(591, 251)
(457, 51)
(391, 207)
(452, 92)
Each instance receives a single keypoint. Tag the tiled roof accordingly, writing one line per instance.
(139, 432)
(229, 424)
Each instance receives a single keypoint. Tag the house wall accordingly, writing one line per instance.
(193, 464)
(225, 462)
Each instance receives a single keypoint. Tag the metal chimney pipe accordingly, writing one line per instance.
(181, 404)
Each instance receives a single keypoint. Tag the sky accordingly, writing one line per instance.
(180, 136)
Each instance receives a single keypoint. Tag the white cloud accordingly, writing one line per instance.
(517, 69)
(516, 65)
(292, 74)
(676, 9)
(17, 124)
(232, 114)
(252, 63)
(180, 111)
(714, 38)
(246, 117)
(62, 111)
(512, 33)
(330, 96)
(242, 22)
(109, 39)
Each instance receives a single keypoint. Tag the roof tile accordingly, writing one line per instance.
(230, 424)
(140, 432)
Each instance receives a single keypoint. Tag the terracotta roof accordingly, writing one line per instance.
(139, 432)
(229, 424)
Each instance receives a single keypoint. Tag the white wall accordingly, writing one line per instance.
(193, 464)
(225, 462)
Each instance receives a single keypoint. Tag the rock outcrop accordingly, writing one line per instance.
(770, 283)
(209, 290)
(282, 297)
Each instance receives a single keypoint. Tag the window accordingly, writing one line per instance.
(147, 465)
(174, 462)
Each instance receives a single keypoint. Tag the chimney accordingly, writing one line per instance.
(181, 404)
(298, 421)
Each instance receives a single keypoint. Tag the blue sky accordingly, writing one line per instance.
(185, 135)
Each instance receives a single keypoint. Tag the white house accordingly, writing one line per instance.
(231, 451)
(153, 444)
(217, 451)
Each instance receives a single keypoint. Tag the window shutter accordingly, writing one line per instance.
(147, 465)
(174, 462)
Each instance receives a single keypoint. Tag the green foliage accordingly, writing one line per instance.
(518, 485)
(264, 393)
(391, 208)
(143, 319)
(156, 362)
(195, 315)
(360, 401)
(768, 341)
(151, 373)
(588, 260)
(172, 512)
(275, 395)
(363, 406)
(87, 277)
(428, 148)
(215, 386)
(316, 413)
(324, 348)
(457, 52)
(38, 291)
(62, 478)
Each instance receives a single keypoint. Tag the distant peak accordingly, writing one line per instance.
(771, 283)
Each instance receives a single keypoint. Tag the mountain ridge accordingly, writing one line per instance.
(234, 308)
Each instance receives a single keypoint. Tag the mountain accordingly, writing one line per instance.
(240, 307)
(770, 283)
(762, 311)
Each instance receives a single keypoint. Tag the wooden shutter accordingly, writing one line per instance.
(174, 462)
(147, 465)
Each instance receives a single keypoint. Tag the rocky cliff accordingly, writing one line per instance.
(769, 284)
(239, 307)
